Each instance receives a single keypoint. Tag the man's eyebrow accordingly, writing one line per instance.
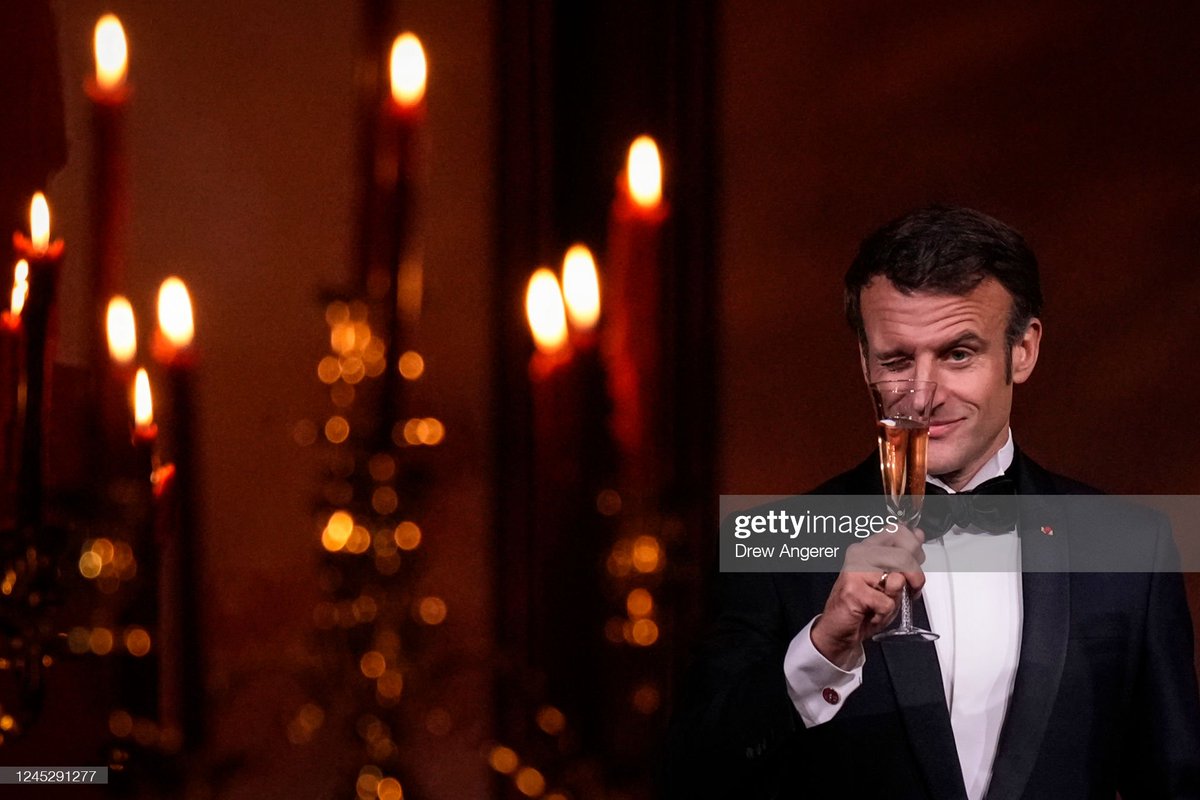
(965, 338)
(895, 352)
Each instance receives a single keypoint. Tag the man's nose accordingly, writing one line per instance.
(925, 369)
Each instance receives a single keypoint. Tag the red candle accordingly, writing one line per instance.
(111, 454)
(635, 329)
(109, 94)
(106, 451)
(39, 320)
(181, 551)
(171, 639)
(395, 278)
(145, 432)
(581, 295)
(12, 394)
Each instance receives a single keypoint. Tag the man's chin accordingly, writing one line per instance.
(942, 463)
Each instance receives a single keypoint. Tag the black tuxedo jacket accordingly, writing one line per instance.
(1105, 698)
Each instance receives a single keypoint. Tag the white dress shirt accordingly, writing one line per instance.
(977, 616)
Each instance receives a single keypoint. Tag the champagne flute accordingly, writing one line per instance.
(902, 411)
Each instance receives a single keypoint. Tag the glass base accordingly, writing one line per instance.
(899, 634)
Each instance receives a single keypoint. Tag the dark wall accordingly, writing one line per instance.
(1076, 123)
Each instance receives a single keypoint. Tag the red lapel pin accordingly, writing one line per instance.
(1046, 529)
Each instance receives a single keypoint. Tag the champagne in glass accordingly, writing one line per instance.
(903, 445)
(902, 411)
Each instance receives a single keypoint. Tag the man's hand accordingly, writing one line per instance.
(864, 600)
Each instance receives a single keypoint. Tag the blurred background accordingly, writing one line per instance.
(511, 618)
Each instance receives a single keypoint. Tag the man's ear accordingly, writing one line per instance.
(1025, 351)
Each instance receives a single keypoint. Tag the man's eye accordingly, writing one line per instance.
(960, 355)
(895, 366)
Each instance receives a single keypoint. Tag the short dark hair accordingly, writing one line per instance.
(948, 250)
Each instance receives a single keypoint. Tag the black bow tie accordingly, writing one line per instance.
(991, 507)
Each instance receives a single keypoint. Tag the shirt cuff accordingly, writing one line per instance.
(817, 686)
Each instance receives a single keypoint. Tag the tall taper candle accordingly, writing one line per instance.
(395, 281)
(12, 394)
(39, 319)
(635, 328)
(173, 348)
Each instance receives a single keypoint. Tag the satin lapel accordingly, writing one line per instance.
(917, 681)
(1045, 591)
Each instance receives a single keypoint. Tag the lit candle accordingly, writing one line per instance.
(39, 321)
(556, 404)
(546, 315)
(12, 392)
(111, 456)
(121, 330)
(395, 278)
(144, 429)
(108, 91)
(581, 293)
(408, 70)
(174, 348)
(635, 330)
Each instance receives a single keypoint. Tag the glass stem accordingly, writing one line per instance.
(905, 610)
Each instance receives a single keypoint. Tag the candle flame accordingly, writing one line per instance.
(112, 53)
(408, 70)
(581, 287)
(143, 404)
(39, 222)
(544, 310)
(122, 331)
(20, 289)
(175, 312)
(644, 171)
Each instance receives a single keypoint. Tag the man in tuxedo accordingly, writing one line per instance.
(1043, 683)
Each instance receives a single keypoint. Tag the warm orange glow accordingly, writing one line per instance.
(112, 53)
(389, 789)
(412, 365)
(20, 290)
(530, 782)
(545, 312)
(644, 632)
(373, 664)
(647, 555)
(101, 641)
(39, 223)
(407, 535)
(551, 720)
(137, 641)
(432, 610)
(390, 685)
(503, 760)
(337, 429)
(175, 312)
(143, 405)
(337, 531)
(644, 172)
(359, 541)
(581, 287)
(90, 565)
(408, 70)
(122, 330)
(639, 603)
